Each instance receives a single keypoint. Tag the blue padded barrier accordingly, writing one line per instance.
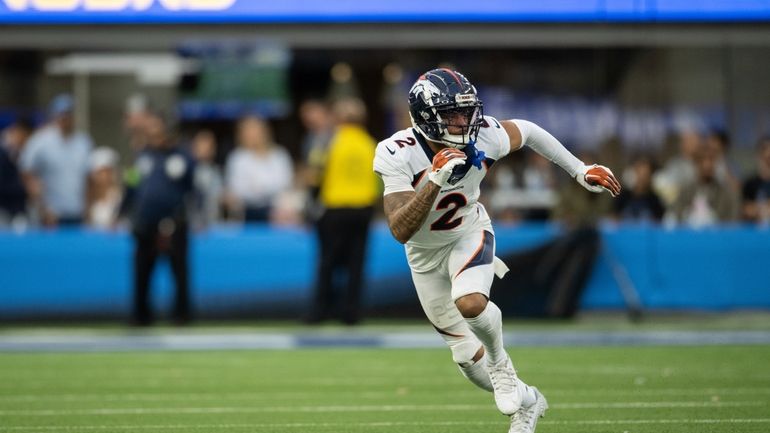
(257, 270)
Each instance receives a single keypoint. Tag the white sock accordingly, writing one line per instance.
(477, 374)
(527, 394)
(488, 328)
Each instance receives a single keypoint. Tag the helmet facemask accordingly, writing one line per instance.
(469, 125)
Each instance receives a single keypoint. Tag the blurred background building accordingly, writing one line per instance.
(672, 95)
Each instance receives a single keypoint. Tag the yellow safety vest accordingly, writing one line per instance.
(349, 179)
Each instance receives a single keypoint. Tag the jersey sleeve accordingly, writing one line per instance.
(495, 133)
(394, 173)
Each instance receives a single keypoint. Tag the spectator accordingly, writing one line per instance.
(317, 119)
(540, 187)
(707, 200)
(55, 166)
(579, 208)
(613, 152)
(638, 202)
(13, 196)
(504, 179)
(678, 170)
(523, 191)
(348, 191)
(319, 126)
(134, 122)
(288, 208)
(726, 170)
(756, 189)
(209, 184)
(158, 208)
(104, 191)
(256, 172)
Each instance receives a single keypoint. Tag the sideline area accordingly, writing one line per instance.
(744, 328)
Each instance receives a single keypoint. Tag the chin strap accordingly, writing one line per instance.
(475, 156)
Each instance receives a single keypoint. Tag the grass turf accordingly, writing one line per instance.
(599, 389)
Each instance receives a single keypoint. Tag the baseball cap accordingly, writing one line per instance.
(61, 104)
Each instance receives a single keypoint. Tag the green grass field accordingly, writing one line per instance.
(602, 389)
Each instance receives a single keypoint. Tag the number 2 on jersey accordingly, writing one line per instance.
(453, 202)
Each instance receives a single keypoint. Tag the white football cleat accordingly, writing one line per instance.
(525, 419)
(504, 381)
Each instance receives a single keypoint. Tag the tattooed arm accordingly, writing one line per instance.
(406, 211)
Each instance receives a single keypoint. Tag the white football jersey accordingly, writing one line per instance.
(404, 161)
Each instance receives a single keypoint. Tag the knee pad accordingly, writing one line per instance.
(464, 349)
(461, 341)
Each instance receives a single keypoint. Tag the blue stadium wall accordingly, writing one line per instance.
(258, 271)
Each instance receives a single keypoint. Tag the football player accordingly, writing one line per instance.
(432, 172)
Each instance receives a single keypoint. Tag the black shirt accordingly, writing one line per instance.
(639, 207)
(164, 185)
(13, 196)
(754, 187)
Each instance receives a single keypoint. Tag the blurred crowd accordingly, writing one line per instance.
(53, 175)
(692, 181)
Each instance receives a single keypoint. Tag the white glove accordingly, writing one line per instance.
(443, 163)
(598, 178)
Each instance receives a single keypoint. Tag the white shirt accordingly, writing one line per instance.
(61, 162)
(103, 212)
(404, 162)
(256, 179)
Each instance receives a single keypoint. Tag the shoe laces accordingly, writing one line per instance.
(503, 377)
(520, 421)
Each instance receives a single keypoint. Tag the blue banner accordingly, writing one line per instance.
(258, 270)
(356, 11)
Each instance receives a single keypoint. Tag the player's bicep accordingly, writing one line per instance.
(514, 135)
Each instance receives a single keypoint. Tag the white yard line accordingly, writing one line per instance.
(661, 421)
(300, 339)
(379, 424)
(364, 408)
(656, 404)
(149, 396)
